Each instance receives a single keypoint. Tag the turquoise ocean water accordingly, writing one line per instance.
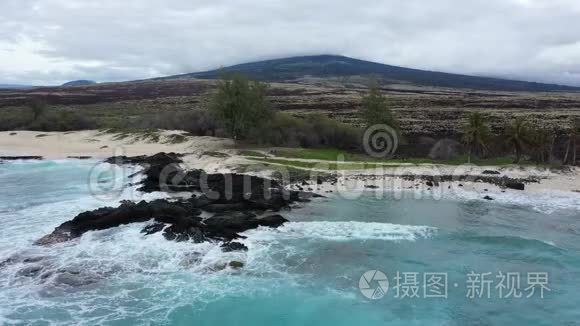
(308, 272)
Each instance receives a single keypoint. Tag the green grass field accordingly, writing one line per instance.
(333, 159)
(327, 165)
(334, 155)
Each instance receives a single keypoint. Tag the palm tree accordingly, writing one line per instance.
(518, 136)
(542, 139)
(572, 143)
(475, 134)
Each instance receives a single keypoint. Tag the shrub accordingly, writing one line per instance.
(314, 131)
(14, 119)
(37, 106)
(61, 121)
(332, 133)
(196, 122)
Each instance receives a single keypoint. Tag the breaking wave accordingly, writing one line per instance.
(344, 231)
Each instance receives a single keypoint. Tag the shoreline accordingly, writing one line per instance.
(398, 189)
(217, 155)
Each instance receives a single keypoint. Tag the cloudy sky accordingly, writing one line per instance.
(52, 41)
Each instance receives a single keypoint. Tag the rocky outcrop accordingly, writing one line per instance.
(503, 181)
(238, 202)
(14, 158)
(233, 246)
(158, 169)
(516, 185)
(178, 220)
(161, 211)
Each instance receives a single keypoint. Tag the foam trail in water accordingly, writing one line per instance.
(343, 231)
(543, 202)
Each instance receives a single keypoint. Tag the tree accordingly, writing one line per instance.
(542, 141)
(240, 106)
(37, 106)
(376, 109)
(476, 134)
(572, 143)
(574, 138)
(518, 135)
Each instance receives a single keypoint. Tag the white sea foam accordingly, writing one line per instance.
(544, 202)
(118, 264)
(132, 275)
(102, 268)
(344, 231)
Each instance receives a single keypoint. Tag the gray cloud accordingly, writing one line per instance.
(51, 41)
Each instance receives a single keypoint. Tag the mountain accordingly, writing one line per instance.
(79, 83)
(13, 86)
(333, 66)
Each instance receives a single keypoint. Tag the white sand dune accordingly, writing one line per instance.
(96, 144)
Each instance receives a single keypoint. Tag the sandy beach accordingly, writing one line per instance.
(200, 153)
(100, 145)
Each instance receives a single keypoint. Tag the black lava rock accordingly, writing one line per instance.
(515, 185)
(233, 246)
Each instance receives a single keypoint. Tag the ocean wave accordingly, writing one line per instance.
(513, 241)
(118, 252)
(118, 264)
(343, 231)
(543, 202)
(547, 202)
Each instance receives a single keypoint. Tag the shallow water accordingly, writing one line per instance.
(304, 273)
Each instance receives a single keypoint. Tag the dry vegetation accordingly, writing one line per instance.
(423, 112)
